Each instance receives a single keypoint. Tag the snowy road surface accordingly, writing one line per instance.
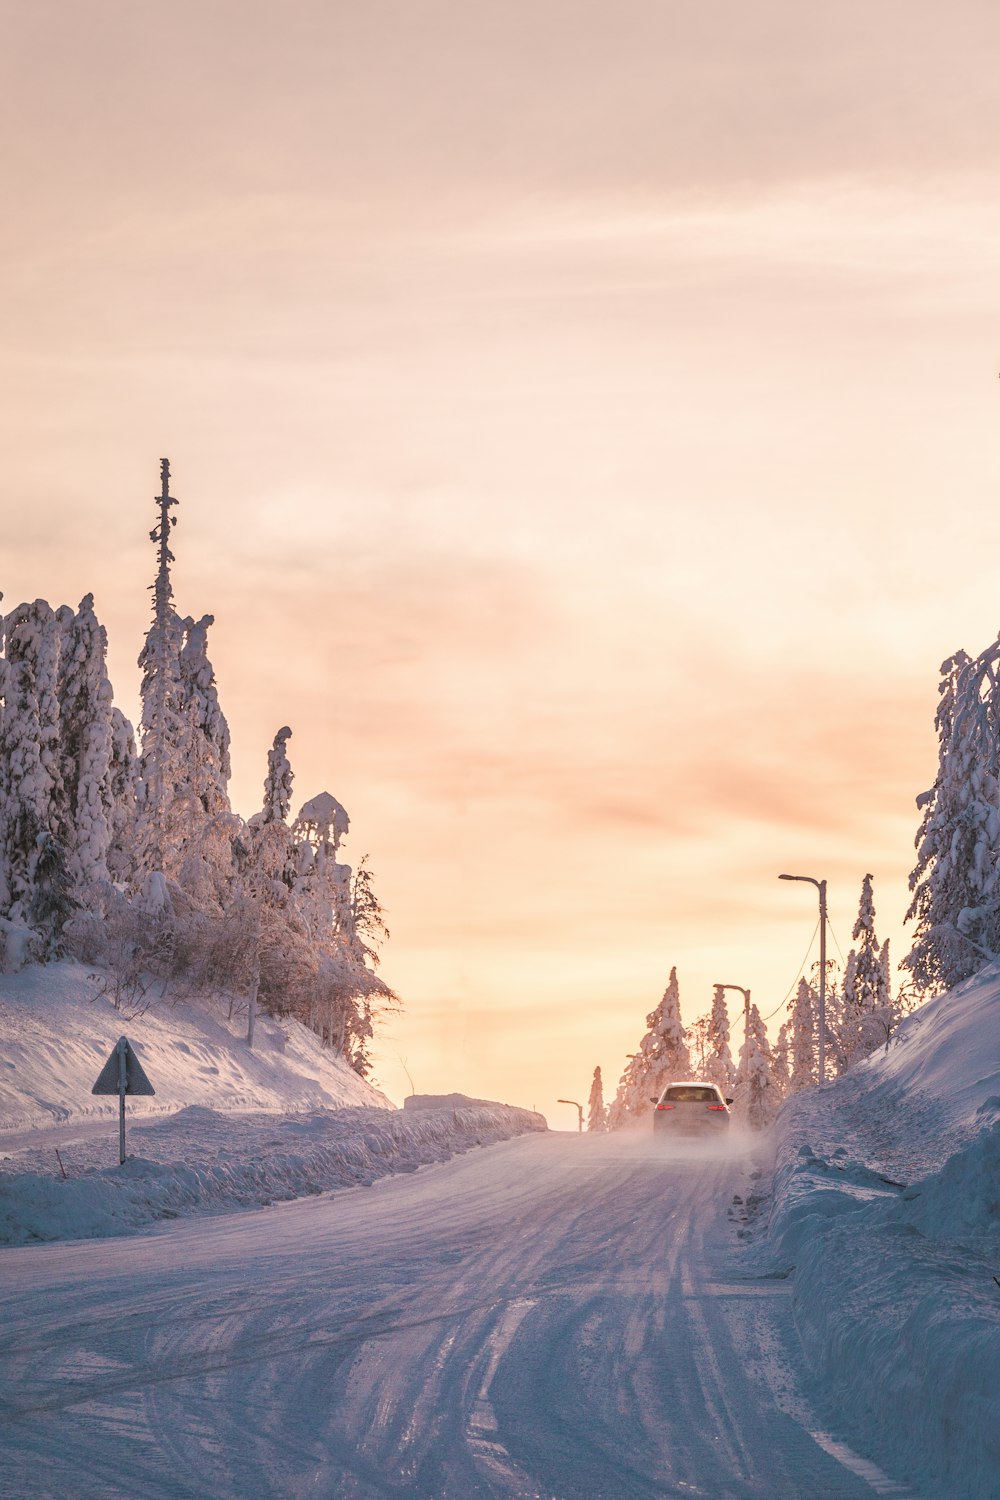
(556, 1316)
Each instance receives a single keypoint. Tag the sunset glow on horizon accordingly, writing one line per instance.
(584, 424)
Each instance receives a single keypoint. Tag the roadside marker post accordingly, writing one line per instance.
(122, 1074)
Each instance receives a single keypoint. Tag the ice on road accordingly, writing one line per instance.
(556, 1316)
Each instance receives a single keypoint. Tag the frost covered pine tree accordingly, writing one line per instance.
(344, 922)
(756, 1094)
(86, 741)
(667, 1053)
(123, 777)
(203, 825)
(32, 854)
(271, 841)
(802, 1040)
(161, 730)
(184, 825)
(662, 1057)
(597, 1115)
(323, 884)
(781, 1068)
(206, 747)
(956, 882)
(866, 1015)
(719, 1068)
(278, 781)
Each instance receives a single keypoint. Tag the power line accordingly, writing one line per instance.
(798, 976)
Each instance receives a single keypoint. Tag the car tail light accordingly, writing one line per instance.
(664, 1106)
(715, 1106)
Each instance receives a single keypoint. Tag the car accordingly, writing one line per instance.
(691, 1108)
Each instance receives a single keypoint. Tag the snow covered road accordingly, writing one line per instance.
(555, 1316)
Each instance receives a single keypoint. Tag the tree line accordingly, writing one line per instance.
(954, 909)
(123, 851)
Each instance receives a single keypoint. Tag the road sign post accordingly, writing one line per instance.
(122, 1074)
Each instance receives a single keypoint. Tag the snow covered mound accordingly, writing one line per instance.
(57, 1029)
(199, 1161)
(887, 1205)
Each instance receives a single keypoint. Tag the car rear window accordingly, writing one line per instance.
(691, 1093)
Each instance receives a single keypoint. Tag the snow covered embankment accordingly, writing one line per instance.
(199, 1162)
(887, 1203)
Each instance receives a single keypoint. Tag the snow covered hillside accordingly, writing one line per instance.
(57, 1029)
(886, 1210)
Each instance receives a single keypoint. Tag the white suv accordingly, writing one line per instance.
(691, 1108)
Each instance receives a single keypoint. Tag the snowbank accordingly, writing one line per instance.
(886, 1202)
(199, 1161)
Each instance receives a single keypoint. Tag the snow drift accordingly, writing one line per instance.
(887, 1204)
(198, 1161)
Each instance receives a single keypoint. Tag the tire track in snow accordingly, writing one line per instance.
(543, 1321)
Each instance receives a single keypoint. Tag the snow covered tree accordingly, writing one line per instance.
(123, 776)
(52, 902)
(802, 1042)
(86, 742)
(205, 744)
(719, 1068)
(270, 841)
(323, 886)
(278, 782)
(364, 927)
(781, 1069)
(32, 782)
(756, 1095)
(161, 729)
(864, 1014)
(956, 881)
(183, 823)
(345, 924)
(597, 1115)
(667, 1053)
(662, 1057)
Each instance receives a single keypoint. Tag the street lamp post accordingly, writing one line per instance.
(746, 1011)
(577, 1107)
(821, 887)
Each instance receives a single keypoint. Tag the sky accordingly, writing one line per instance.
(584, 419)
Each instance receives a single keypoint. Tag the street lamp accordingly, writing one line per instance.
(821, 887)
(578, 1107)
(746, 1011)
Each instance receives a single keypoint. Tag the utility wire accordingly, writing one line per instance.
(798, 976)
(840, 950)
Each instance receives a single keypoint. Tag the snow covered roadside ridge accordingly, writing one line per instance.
(887, 1204)
(57, 1029)
(199, 1162)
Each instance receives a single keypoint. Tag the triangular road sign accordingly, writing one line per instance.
(109, 1080)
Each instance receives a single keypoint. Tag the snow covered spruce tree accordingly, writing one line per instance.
(344, 921)
(781, 1066)
(184, 826)
(86, 743)
(56, 755)
(719, 1067)
(756, 1095)
(802, 1065)
(956, 881)
(597, 1115)
(160, 772)
(863, 1015)
(662, 1056)
(33, 859)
